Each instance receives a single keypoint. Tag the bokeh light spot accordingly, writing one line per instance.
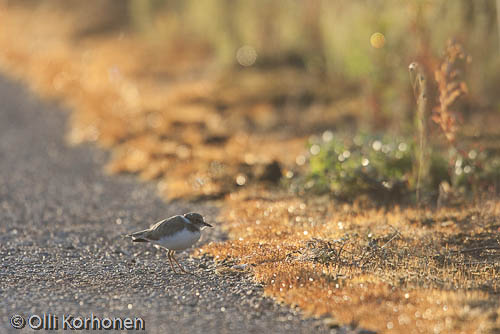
(241, 179)
(315, 149)
(300, 160)
(377, 40)
(246, 55)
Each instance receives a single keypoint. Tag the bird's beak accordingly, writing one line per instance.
(207, 224)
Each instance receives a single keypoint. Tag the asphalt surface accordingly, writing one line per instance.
(61, 245)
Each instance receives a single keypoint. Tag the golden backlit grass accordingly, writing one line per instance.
(397, 269)
(392, 270)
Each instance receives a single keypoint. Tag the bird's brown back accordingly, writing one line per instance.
(168, 226)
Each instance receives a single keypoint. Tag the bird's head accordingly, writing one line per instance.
(196, 219)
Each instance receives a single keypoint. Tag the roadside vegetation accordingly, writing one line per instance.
(352, 147)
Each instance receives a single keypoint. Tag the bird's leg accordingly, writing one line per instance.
(170, 260)
(184, 270)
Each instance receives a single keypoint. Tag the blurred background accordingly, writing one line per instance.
(329, 39)
(287, 69)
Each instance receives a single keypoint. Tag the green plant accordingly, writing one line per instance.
(365, 164)
(475, 170)
(382, 167)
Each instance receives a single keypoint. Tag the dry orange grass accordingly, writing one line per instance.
(389, 270)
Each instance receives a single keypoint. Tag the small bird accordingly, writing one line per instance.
(173, 234)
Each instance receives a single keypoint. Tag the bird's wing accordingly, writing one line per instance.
(144, 233)
(165, 227)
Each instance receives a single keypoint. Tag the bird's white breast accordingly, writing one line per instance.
(180, 240)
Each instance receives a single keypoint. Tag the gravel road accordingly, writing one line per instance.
(62, 251)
